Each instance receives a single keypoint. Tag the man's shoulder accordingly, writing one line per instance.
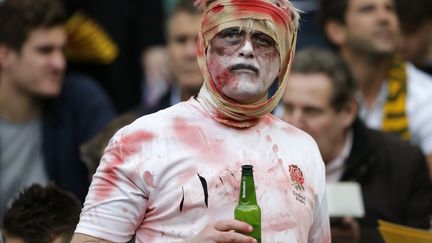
(162, 119)
(294, 138)
(289, 130)
(419, 82)
(81, 86)
(393, 145)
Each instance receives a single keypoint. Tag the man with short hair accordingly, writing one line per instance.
(43, 117)
(395, 96)
(320, 100)
(174, 175)
(41, 214)
(184, 78)
(416, 28)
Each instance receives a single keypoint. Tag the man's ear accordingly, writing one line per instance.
(350, 112)
(3, 50)
(5, 55)
(335, 32)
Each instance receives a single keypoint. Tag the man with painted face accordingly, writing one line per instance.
(173, 176)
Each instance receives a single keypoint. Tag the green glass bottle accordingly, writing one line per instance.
(247, 209)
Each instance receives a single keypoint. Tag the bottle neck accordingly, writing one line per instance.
(247, 189)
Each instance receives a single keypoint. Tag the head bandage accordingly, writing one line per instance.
(223, 14)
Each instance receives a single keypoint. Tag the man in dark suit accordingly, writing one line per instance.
(320, 99)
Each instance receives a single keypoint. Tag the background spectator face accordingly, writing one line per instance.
(370, 26)
(414, 46)
(320, 98)
(183, 29)
(37, 68)
(243, 63)
(415, 18)
(307, 105)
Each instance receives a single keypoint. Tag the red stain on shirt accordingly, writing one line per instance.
(268, 138)
(280, 223)
(115, 156)
(187, 175)
(275, 148)
(199, 140)
(148, 179)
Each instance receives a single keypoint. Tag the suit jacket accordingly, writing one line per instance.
(394, 179)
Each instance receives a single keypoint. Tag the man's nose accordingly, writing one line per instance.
(58, 60)
(246, 49)
(384, 15)
(190, 48)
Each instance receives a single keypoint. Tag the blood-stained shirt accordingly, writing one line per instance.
(167, 175)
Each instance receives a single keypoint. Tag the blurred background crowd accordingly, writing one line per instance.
(362, 66)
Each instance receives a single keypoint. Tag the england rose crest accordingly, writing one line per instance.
(296, 177)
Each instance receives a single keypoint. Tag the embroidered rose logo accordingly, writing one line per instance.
(297, 177)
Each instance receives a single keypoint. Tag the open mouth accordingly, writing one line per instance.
(244, 68)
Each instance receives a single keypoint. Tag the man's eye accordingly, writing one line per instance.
(312, 111)
(288, 108)
(232, 35)
(181, 39)
(45, 49)
(263, 40)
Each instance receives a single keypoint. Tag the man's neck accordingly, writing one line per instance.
(337, 148)
(369, 71)
(15, 105)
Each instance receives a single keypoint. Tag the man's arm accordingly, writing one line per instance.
(81, 238)
(223, 231)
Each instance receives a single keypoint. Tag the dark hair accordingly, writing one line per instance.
(331, 10)
(313, 60)
(181, 6)
(185, 6)
(41, 214)
(413, 13)
(19, 17)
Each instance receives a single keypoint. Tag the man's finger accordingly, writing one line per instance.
(232, 236)
(232, 224)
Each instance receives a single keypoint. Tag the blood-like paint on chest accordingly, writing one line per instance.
(275, 148)
(199, 140)
(148, 179)
(268, 138)
(114, 157)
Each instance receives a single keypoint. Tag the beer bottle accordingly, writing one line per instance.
(247, 209)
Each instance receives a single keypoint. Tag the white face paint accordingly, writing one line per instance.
(243, 64)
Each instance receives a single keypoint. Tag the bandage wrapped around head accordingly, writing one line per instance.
(276, 18)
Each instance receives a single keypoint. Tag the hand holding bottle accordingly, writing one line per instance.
(229, 230)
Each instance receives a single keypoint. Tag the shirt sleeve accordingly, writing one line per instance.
(117, 200)
(320, 229)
